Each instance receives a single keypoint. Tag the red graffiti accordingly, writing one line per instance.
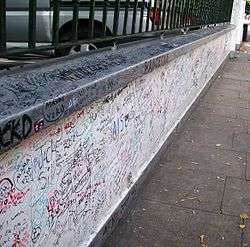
(69, 125)
(19, 241)
(57, 132)
(13, 198)
(53, 204)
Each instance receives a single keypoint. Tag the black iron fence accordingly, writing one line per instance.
(70, 23)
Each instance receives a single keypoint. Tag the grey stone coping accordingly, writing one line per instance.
(35, 97)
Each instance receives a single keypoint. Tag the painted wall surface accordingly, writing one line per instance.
(58, 187)
(238, 14)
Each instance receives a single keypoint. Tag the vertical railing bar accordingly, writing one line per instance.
(169, 14)
(134, 16)
(75, 20)
(201, 13)
(227, 11)
(116, 17)
(177, 12)
(182, 9)
(178, 15)
(32, 24)
(141, 16)
(154, 15)
(125, 22)
(91, 19)
(221, 12)
(222, 19)
(148, 12)
(214, 11)
(172, 25)
(2, 26)
(207, 12)
(186, 13)
(160, 15)
(230, 10)
(104, 18)
(192, 18)
(55, 28)
(164, 15)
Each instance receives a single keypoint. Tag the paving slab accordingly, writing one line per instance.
(220, 161)
(226, 97)
(198, 139)
(241, 142)
(215, 122)
(175, 227)
(236, 197)
(216, 109)
(243, 114)
(174, 184)
(229, 84)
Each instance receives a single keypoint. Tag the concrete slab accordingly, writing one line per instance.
(216, 123)
(174, 184)
(216, 109)
(154, 224)
(236, 197)
(220, 161)
(226, 97)
(198, 139)
(229, 84)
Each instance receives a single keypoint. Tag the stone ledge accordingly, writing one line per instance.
(34, 97)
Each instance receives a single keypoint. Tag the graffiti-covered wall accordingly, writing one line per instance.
(58, 187)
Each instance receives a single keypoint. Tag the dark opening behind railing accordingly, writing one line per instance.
(120, 19)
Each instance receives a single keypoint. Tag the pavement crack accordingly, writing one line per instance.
(223, 194)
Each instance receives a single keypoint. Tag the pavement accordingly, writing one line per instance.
(199, 193)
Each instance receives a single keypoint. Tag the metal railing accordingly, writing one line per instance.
(145, 17)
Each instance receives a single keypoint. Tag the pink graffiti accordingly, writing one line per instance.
(13, 198)
(19, 241)
(54, 204)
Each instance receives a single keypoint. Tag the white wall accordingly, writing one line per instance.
(60, 186)
(238, 16)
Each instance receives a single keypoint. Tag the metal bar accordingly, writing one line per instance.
(186, 15)
(201, 8)
(91, 19)
(55, 28)
(191, 13)
(32, 23)
(163, 21)
(148, 11)
(178, 13)
(125, 22)
(134, 16)
(230, 10)
(154, 15)
(172, 24)
(182, 9)
(160, 17)
(75, 20)
(2, 26)
(104, 18)
(116, 17)
(169, 14)
(141, 16)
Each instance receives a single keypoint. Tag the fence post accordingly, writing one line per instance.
(2, 26)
